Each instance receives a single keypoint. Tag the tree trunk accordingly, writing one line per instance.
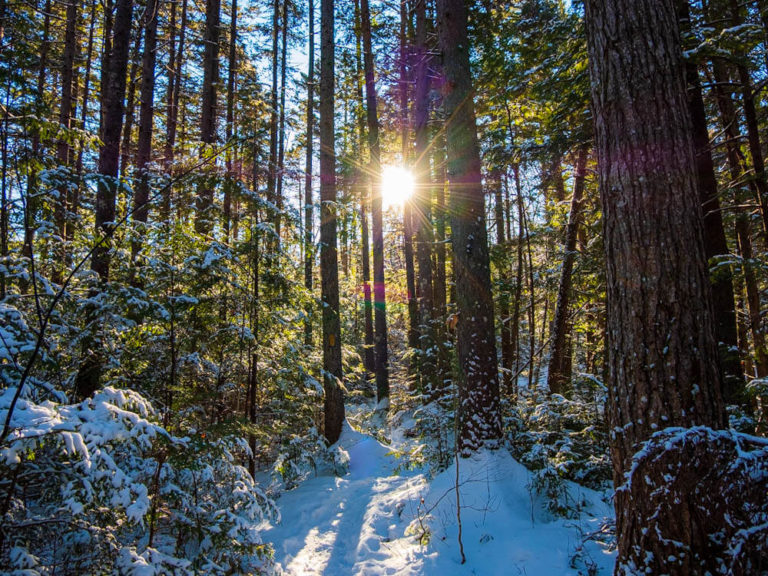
(146, 118)
(112, 97)
(379, 295)
(230, 184)
(273, 118)
(662, 352)
(63, 149)
(439, 287)
(423, 210)
(175, 67)
(737, 168)
(410, 274)
(130, 105)
(480, 419)
(715, 243)
(559, 375)
(204, 205)
(507, 352)
(309, 217)
(329, 266)
(281, 128)
(369, 356)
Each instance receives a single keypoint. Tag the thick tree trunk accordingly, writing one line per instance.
(329, 266)
(480, 419)
(146, 119)
(559, 374)
(379, 294)
(173, 94)
(204, 204)
(662, 353)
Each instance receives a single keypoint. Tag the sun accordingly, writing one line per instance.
(396, 186)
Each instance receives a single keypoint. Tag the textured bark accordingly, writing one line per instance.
(112, 96)
(559, 374)
(438, 284)
(715, 243)
(329, 266)
(146, 118)
(204, 203)
(480, 420)
(662, 353)
(379, 293)
(423, 209)
(309, 246)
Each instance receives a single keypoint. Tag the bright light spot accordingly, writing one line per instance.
(396, 186)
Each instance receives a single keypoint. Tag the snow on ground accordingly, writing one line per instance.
(369, 522)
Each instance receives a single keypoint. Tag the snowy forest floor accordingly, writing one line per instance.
(381, 518)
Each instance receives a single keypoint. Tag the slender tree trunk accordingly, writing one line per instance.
(379, 295)
(113, 94)
(507, 352)
(715, 243)
(329, 266)
(204, 205)
(737, 168)
(410, 274)
(309, 216)
(231, 181)
(423, 209)
(369, 358)
(32, 204)
(662, 352)
(281, 128)
(130, 106)
(63, 149)
(518, 300)
(146, 118)
(273, 121)
(480, 418)
(559, 375)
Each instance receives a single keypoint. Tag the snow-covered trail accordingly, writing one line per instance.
(354, 524)
(358, 524)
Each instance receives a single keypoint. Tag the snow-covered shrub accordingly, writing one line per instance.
(100, 485)
(300, 457)
(559, 439)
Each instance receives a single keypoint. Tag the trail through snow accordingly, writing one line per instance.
(367, 523)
